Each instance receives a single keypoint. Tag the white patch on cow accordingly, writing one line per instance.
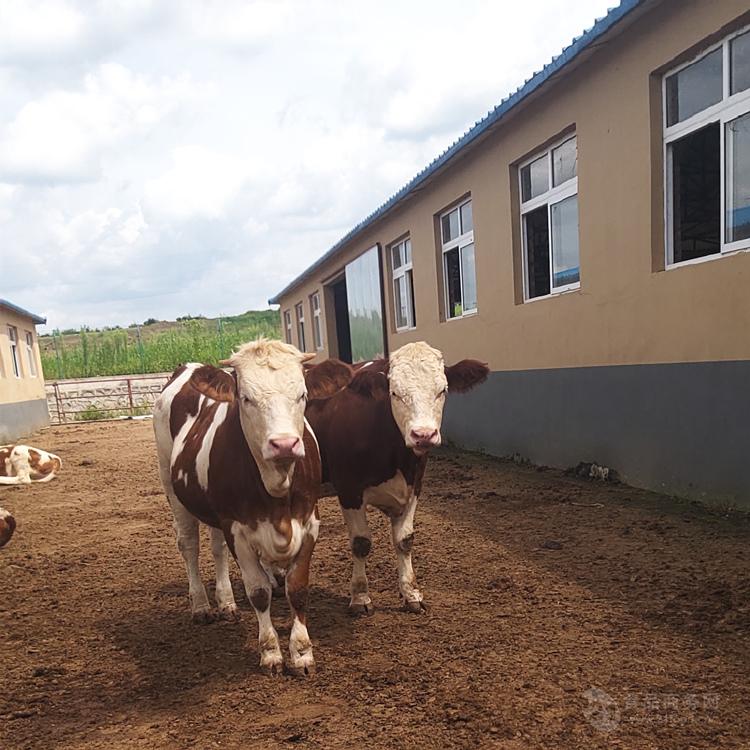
(402, 527)
(314, 436)
(416, 375)
(392, 494)
(4, 514)
(366, 364)
(271, 546)
(182, 476)
(357, 526)
(204, 453)
(300, 647)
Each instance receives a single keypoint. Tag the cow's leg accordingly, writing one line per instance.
(258, 589)
(297, 582)
(224, 594)
(186, 527)
(402, 534)
(360, 540)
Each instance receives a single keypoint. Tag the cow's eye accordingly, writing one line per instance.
(303, 397)
(442, 393)
(247, 400)
(396, 396)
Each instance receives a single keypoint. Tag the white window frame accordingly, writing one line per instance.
(317, 323)
(404, 271)
(556, 194)
(299, 311)
(14, 353)
(30, 353)
(288, 328)
(462, 241)
(729, 108)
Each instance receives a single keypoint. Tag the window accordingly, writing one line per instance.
(288, 326)
(13, 337)
(299, 310)
(317, 325)
(459, 274)
(549, 220)
(403, 285)
(30, 354)
(707, 153)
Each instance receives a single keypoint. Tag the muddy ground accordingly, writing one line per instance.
(563, 614)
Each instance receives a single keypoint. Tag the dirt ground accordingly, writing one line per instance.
(563, 614)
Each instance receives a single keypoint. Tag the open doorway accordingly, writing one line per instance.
(341, 313)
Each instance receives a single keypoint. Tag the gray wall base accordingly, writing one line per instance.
(681, 429)
(22, 418)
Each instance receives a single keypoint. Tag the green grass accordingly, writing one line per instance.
(158, 347)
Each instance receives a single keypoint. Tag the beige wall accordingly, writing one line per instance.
(628, 309)
(26, 387)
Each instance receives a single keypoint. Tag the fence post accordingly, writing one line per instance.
(130, 396)
(57, 402)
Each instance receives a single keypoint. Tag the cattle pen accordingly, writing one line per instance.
(563, 613)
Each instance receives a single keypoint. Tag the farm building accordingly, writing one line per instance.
(589, 240)
(23, 403)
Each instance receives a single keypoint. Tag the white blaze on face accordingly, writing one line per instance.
(272, 397)
(418, 386)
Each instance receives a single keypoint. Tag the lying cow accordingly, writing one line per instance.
(236, 453)
(374, 435)
(7, 526)
(22, 464)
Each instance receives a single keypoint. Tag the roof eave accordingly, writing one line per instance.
(36, 319)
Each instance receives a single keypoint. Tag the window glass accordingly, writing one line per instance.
(738, 179)
(534, 179)
(564, 221)
(453, 283)
(740, 63)
(399, 288)
(396, 256)
(407, 252)
(450, 226)
(565, 162)
(537, 251)
(695, 88)
(467, 219)
(468, 274)
(696, 194)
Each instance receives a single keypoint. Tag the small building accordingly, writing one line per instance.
(589, 239)
(23, 403)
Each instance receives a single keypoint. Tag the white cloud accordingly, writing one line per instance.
(62, 136)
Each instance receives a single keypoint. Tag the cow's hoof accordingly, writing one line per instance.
(229, 613)
(204, 616)
(359, 609)
(417, 608)
(272, 668)
(307, 670)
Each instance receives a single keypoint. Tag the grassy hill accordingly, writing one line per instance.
(154, 346)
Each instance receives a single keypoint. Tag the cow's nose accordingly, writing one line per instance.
(425, 438)
(287, 447)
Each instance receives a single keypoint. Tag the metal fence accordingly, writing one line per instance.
(90, 399)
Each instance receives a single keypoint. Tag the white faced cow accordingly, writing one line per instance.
(237, 454)
(374, 433)
(22, 464)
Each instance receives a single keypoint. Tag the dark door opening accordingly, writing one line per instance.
(341, 309)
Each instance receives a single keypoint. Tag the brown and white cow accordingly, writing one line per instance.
(236, 453)
(22, 464)
(7, 526)
(374, 434)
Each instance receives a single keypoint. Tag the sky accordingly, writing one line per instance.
(171, 157)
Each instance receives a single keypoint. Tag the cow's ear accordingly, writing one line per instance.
(306, 356)
(215, 383)
(327, 378)
(369, 383)
(464, 375)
